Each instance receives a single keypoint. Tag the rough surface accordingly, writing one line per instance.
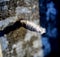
(22, 42)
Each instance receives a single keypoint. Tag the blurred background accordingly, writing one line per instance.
(49, 12)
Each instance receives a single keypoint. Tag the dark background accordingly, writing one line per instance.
(53, 42)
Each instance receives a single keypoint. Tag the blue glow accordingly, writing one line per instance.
(51, 11)
(46, 44)
(52, 32)
(48, 20)
(51, 19)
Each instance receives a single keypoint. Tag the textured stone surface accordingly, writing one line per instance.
(22, 42)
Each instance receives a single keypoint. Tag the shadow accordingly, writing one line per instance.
(11, 28)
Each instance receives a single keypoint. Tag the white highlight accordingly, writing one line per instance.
(36, 44)
(38, 29)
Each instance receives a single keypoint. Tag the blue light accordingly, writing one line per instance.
(46, 44)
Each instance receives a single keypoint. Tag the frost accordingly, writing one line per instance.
(20, 10)
(4, 42)
(5, 7)
(14, 46)
(36, 44)
(20, 52)
(39, 54)
(28, 36)
(7, 22)
(4, 0)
